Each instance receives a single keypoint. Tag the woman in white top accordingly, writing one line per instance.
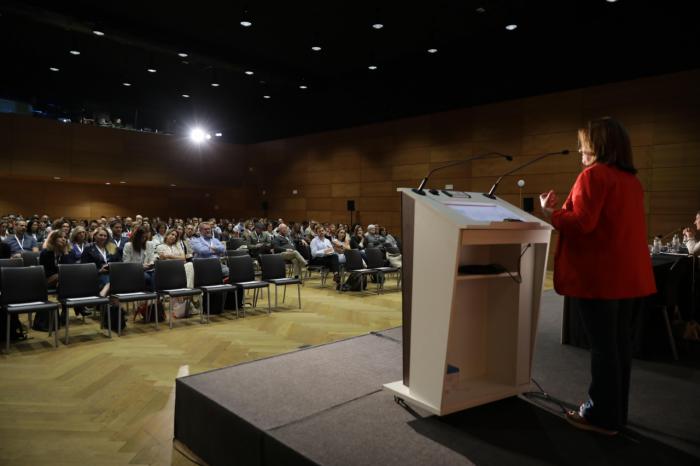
(689, 237)
(340, 243)
(170, 248)
(141, 251)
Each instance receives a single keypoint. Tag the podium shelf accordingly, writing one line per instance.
(475, 276)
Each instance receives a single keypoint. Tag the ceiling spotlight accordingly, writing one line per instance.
(186, 96)
(611, 1)
(377, 26)
(246, 24)
(215, 84)
(249, 73)
(53, 68)
(208, 136)
(197, 135)
(126, 84)
(151, 70)
(302, 86)
(122, 182)
(266, 97)
(74, 52)
(56, 177)
(481, 9)
(432, 50)
(372, 67)
(512, 27)
(173, 185)
(108, 183)
(182, 55)
(218, 135)
(316, 48)
(97, 32)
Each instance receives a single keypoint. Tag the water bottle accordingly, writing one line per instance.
(657, 246)
(676, 243)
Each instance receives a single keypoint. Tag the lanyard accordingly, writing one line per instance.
(21, 243)
(118, 243)
(102, 252)
(80, 250)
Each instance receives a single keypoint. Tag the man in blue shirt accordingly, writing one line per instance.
(207, 246)
(21, 241)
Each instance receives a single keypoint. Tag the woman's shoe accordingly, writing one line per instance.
(580, 422)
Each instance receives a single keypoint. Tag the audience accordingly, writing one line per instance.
(259, 241)
(78, 241)
(20, 241)
(322, 253)
(97, 253)
(171, 248)
(55, 253)
(207, 246)
(689, 237)
(283, 245)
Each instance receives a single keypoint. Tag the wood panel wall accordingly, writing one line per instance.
(365, 164)
(368, 163)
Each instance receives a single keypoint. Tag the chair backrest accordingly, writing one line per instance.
(304, 251)
(207, 271)
(234, 243)
(30, 258)
(77, 280)
(237, 253)
(273, 266)
(353, 259)
(14, 262)
(240, 269)
(126, 277)
(393, 250)
(375, 258)
(23, 285)
(170, 274)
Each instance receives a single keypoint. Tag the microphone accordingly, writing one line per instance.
(420, 191)
(491, 193)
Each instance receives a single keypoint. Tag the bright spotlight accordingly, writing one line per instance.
(198, 135)
(218, 135)
(208, 136)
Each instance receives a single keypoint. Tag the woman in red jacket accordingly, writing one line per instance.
(602, 264)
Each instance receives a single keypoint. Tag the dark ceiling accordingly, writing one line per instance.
(558, 44)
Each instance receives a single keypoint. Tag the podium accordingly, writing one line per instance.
(473, 270)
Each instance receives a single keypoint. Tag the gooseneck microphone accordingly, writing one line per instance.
(420, 191)
(491, 194)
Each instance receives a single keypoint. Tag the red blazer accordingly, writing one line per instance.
(602, 251)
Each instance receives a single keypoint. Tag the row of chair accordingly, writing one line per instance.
(24, 289)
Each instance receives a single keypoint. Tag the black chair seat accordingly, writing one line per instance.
(88, 301)
(137, 296)
(182, 292)
(217, 288)
(364, 270)
(387, 269)
(284, 281)
(31, 307)
(252, 284)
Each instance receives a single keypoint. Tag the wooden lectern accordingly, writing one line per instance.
(473, 270)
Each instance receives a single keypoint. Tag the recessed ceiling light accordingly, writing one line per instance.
(182, 55)
(481, 9)
(249, 73)
(214, 84)
(197, 135)
(126, 84)
(186, 96)
(512, 27)
(108, 183)
(122, 182)
(218, 135)
(56, 177)
(173, 184)
(266, 97)
(151, 70)
(316, 48)
(246, 24)
(208, 136)
(53, 68)
(97, 32)
(432, 50)
(372, 67)
(74, 52)
(611, 1)
(377, 25)
(302, 86)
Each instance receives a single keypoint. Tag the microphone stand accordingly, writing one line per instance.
(419, 189)
(491, 194)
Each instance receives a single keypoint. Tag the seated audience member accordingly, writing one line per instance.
(310, 231)
(98, 255)
(171, 248)
(259, 241)
(55, 253)
(78, 242)
(388, 239)
(117, 239)
(285, 247)
(340, 243)
(331, 231)
(322, 253)
(141, 251)
(358, 240)
(297, 235)
(159, 235)
(207, 246)
(689, 237)
(3, 231)
(35, 232)
(21, 241)
(128, 225)
(374, 239)
(184, 242)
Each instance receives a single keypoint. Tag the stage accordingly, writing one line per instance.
(324, 405)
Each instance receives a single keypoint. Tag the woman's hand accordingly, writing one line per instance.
(548, 202)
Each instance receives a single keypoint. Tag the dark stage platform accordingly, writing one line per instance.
(324, 406)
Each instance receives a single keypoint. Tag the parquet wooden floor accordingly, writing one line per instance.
(100, 401)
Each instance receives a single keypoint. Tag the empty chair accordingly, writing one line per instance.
(242, 275)
(127, 285)
(375, 260)
(30, 258)
(208, 278)
(78, 286)
(354, 264)
(171, 281)
(24, 292)
(274, 271)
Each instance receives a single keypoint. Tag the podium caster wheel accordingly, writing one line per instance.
(398, 400)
